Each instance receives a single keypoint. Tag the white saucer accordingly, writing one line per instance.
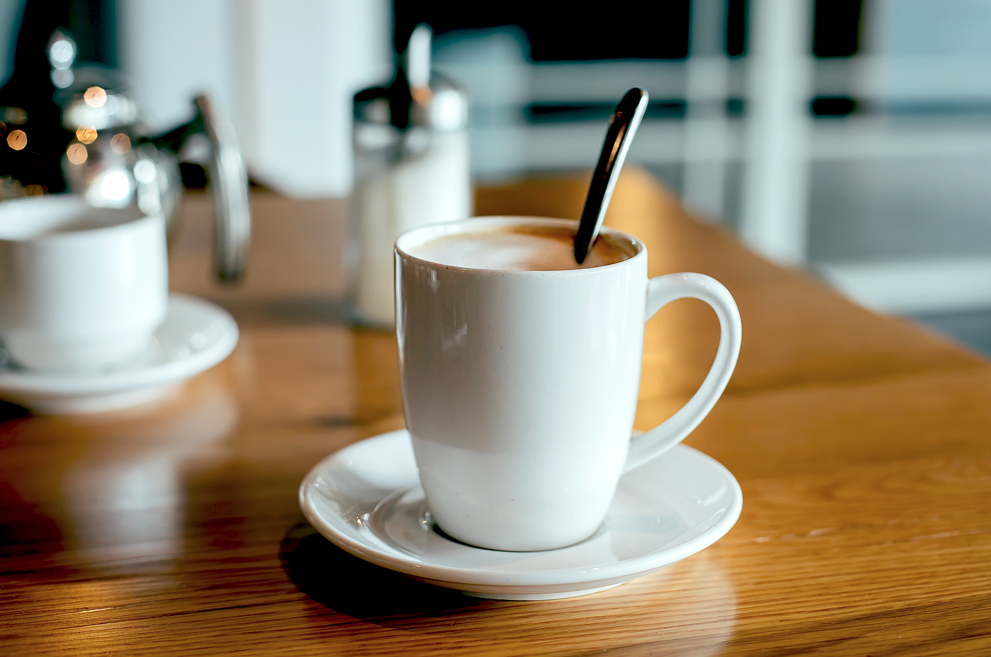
(195, 336)
(367, 500)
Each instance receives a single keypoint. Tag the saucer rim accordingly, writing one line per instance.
(97, 383)
(577, 576)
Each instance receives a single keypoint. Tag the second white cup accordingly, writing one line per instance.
(81, 288)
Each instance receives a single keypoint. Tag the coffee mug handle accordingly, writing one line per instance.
(660, 292)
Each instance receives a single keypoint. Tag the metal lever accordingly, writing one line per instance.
(228, 182)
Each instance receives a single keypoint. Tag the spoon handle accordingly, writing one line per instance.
(622, 126)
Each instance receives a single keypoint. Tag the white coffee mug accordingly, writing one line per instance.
(520, 387)
(81, 288)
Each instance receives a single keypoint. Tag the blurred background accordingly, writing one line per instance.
(851, 137)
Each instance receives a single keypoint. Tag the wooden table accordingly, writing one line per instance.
(863, 445)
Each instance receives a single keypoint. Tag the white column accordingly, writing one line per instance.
(706, 131)
(705, 137)
(779, 86)
(298, 65)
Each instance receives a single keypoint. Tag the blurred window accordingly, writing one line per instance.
(562, 31)
(558, 31)
(837, 28)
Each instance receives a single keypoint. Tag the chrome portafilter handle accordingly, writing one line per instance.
(228, 182)
(229, 179)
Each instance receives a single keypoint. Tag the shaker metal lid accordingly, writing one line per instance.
(445, 109)
(417, 95)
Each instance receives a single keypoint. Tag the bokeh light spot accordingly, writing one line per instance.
(121, 143)
(116, 185)
(77, 153)
(17, 140)
(95, 97)
(15, 115)
(62, 78)
(144, 171)
(62, 52)
(86, 134)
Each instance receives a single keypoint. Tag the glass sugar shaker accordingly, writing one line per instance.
(411, 169)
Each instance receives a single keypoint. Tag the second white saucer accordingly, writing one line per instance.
(195, 336)
(367, 500)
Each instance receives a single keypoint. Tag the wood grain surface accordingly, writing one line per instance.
(862, 443)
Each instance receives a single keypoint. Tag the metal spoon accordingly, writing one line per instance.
(622, 126)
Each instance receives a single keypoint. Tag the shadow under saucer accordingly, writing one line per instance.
(354, 587)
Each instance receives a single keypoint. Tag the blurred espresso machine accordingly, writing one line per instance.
(67, 126)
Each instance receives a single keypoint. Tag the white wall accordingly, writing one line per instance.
(174, 50)
(284, 70)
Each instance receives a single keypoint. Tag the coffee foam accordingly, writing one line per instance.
(520, 248)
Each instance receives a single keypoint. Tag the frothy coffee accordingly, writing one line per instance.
(521, 248)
